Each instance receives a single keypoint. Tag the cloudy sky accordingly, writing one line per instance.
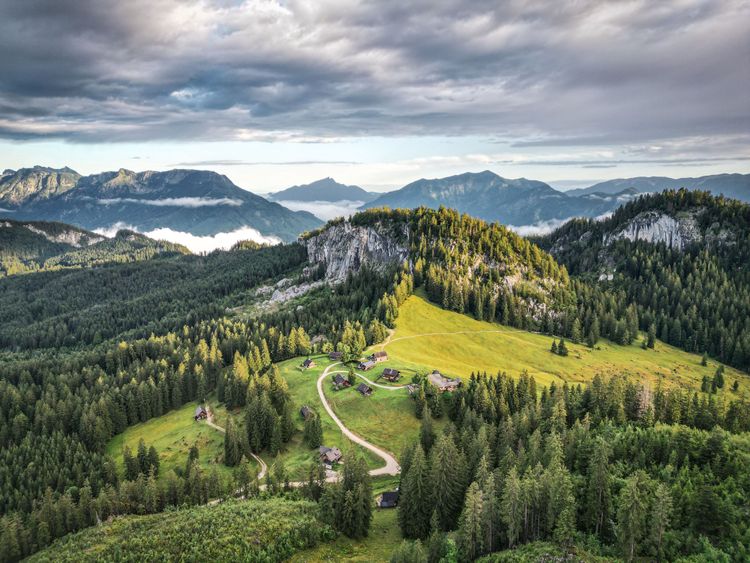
(276, 93)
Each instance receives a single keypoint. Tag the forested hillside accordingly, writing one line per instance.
(690, 281)
(35, 246)
(623, 468)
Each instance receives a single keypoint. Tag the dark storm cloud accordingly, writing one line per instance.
(540, 73)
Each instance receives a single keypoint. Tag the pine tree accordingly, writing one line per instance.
(415, 503)
(470, 533)
(313, 434)
(718, 381)
(512, 506)
(553, 349)
(131, 464)
(704, 359)
(562, 349)
(446, 481)
(143, 464)
(426, 434)
(598, 488)
(153, 460)
(651, 335)
(661, 510)
(631, 513)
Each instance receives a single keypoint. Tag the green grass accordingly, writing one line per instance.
(385, 418)
(172, 434)
(256, 530)
(513, 351)
(296, 456)
(384, 536)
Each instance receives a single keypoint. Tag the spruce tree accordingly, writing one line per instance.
(512, 507)
(415, 502)
(470, 532)
(447, 481)
(632, 512)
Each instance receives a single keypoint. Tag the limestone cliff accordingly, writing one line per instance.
(345, 248)
(658, 227)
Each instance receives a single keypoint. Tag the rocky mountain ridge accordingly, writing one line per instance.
(490, 197)
(199, 202)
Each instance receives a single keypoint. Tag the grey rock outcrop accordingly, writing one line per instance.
(655, 227)
(345, 248)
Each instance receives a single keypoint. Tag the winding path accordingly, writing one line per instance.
(391, 466)
(212, 424)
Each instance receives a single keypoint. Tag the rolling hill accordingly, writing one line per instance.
(36, 245)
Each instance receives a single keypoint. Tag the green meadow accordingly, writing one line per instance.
(428, 337)
(172, 434)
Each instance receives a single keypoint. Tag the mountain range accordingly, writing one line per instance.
(198, 202)
(204, 203)
(522, 202)
(736, 186)
(490, 197)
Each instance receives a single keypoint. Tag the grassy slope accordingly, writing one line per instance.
(297, 456)
(172, 434)
(384, 536)
(258, 530)
(514, 350)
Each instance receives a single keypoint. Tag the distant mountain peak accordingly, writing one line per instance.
(326, 189)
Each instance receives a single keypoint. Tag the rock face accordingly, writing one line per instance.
(73, 237)
(34, 184)
(655, 227)
(345, 248)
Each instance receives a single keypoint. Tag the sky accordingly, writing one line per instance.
(377, 94)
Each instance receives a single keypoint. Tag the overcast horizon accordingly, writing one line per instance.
(275, 94)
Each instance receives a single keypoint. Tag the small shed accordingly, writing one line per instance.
(391, 374)
(308, 363)
(338, 356)
(364, 390)
(329, 456)
(306, 412)
(367, 365)
(381, 356)
(388, 499)
(200, 413)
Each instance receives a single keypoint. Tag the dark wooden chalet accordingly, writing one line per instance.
(338, 356)
(364, 390)
(200, 413)
(339, 382)
(388, 499)
(306, 412)
(367, 365)
(329, 456)
(391, 374)
(308, 363)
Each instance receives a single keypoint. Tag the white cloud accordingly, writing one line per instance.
(540, 228)
(324, 210)
(175, 201)
(5, 210)
(220, 241)
(197, 244)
